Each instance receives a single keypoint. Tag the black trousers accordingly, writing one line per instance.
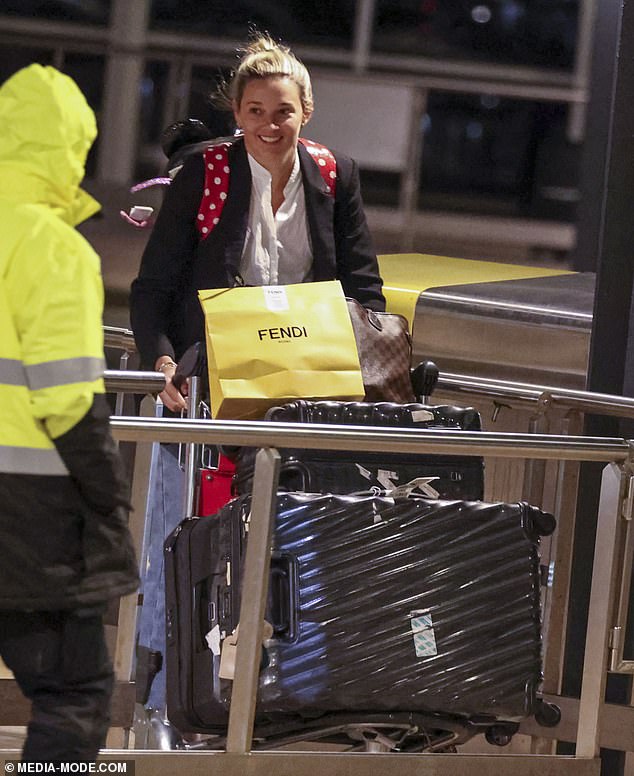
(61, 664)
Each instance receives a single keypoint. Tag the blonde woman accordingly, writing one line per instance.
(263, 208)
(273, 210)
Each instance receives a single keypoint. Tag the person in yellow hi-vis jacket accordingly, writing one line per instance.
(64, 543)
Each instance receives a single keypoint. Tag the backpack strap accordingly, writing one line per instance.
(326, 162)
(217, 174)
(217, 171)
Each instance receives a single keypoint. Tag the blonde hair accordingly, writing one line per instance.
(262, 58)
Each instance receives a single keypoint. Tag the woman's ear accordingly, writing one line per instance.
(306, 118)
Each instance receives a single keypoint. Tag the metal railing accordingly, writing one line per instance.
(122, 381)
(123, 340)
(523, 393)
(271, 435)
(119, 338)
(582, 401)
(504, 445)
(257, 433)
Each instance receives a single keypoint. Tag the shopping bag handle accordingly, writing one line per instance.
(193, 363)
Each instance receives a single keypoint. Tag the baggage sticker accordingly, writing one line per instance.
(275, 298)
(423, 633)
(418, 416)
(213, 639)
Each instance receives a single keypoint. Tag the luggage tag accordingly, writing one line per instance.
(227, 666)
(385, 478)
(421, 484)
(407, 490)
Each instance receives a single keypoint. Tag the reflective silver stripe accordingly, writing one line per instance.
(12, 372)
(68, 370)
(31, 460)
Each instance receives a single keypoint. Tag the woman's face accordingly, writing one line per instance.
(271, 116)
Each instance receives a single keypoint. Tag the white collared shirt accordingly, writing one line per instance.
(277, 247)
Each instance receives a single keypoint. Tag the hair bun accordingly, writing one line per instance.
(263, 57)
(261, 41)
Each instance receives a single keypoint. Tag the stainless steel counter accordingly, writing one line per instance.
(533, 330)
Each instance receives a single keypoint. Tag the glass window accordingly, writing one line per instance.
(156, 105)
(380, 188)
(204, 82)
(14, 59)
(489, 154)
(153, 100)
(88, 71)
(154, 87)
(318, 22)
(523, 32)
(152, 120)
(84, 11)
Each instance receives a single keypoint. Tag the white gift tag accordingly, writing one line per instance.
(275, 298)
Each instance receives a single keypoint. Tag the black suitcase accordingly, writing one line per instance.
(378, 606)
(327, 471)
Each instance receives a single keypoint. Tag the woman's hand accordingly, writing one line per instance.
(171, 397)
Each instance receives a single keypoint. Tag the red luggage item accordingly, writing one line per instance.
(215, 487)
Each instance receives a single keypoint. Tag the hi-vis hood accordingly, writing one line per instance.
(47, 129)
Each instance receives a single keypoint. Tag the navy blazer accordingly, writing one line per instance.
(165, 313)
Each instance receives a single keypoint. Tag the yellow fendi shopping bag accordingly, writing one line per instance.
(270, 344)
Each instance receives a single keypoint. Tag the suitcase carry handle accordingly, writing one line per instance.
(299, 468)
(205, 614)
(536, 522)
(283, 597)
(243, 480)
(282, 605)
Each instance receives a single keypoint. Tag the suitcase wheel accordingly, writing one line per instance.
(548, 714)
(500, 735)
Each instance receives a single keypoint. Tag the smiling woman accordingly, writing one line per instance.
(276, 221)
(270, 116)
(271, 99)
(263, 208)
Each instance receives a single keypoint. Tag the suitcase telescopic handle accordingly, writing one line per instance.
(424, 378)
